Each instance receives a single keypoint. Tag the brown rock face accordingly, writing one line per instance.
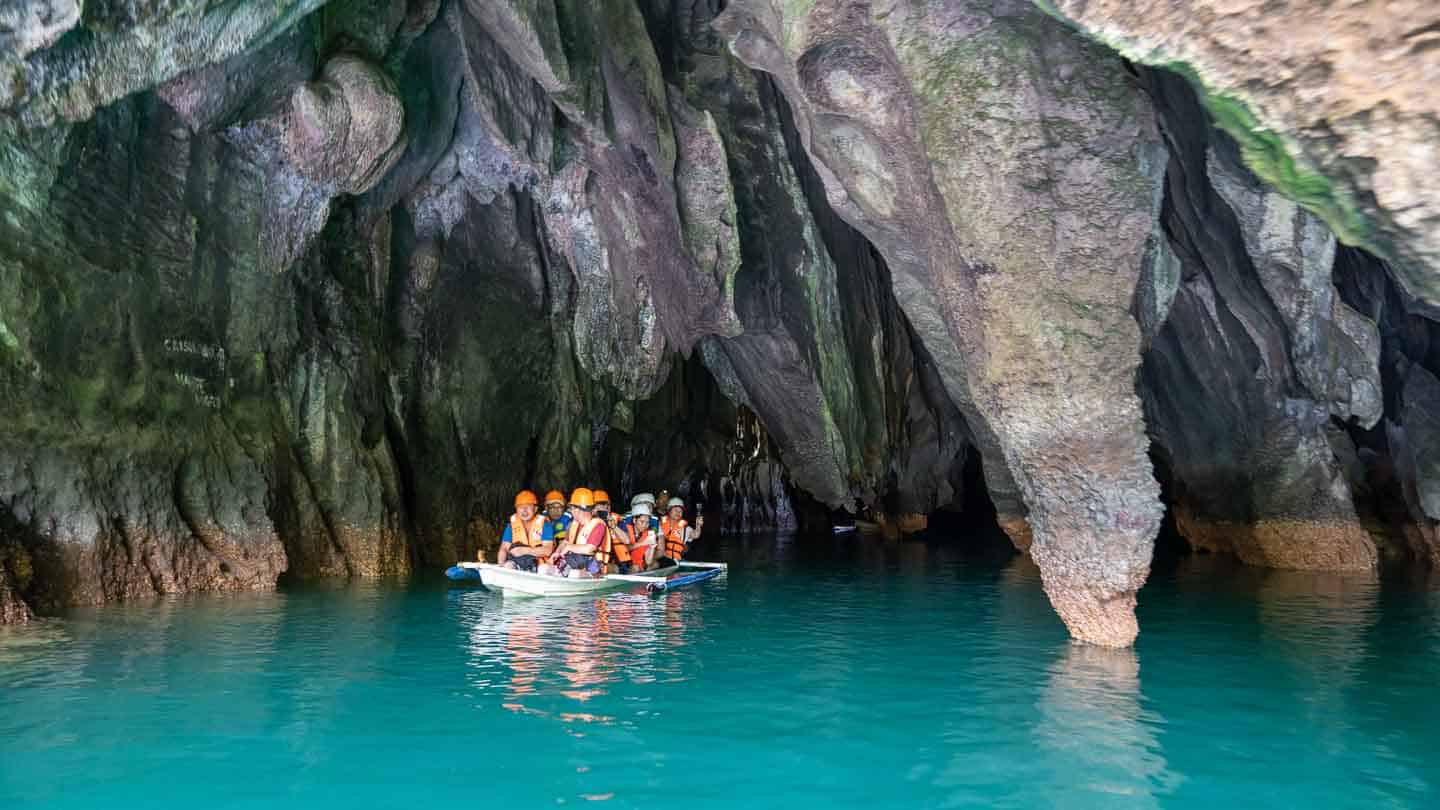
(1348, 87)
(12, 609)
(1018, 530)
(1300, 545)
(1027, 316)
(1102, 617)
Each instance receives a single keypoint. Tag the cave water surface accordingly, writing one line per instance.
(298, 294)
(819, 672)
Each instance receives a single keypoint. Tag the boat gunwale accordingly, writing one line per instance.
(571, 587)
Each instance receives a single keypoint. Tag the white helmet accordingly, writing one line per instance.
(640, 509)
(674, 502)
(644, 497)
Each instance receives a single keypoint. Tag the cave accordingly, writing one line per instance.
(302, 290)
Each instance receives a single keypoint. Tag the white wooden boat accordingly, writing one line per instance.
(523, 583)
(511, 582)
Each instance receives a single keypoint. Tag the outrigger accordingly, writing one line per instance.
(511, 582)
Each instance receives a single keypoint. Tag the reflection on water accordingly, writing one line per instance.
(578, 649)
(1092, 719)
(1319, 622)
(840, 672)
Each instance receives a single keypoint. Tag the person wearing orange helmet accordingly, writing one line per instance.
(527, 538)
(617, 543)
(556, 514)
(587, 536)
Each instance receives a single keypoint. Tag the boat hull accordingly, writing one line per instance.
(523, 583)
(681, 580)
(511, 582)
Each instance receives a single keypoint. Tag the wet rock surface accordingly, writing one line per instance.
(301, 291)
(13, 609)
(1027, 315)
(1332, 103)
(1256, 357)
(26, 26)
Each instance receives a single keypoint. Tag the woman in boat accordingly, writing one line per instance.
(617, 546)
(639, 529)
(587, 535)
(677, 533)
(527, 538)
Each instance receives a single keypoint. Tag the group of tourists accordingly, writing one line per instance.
(583, 537)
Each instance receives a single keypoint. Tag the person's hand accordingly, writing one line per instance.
(699, 521)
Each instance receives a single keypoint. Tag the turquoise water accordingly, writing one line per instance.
(820, 674)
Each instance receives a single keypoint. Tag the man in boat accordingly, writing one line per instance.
(555, 514)
(677, 533)
(602, 503)
(639, 530)
(617, 546)
(527, 538)
(587, 536)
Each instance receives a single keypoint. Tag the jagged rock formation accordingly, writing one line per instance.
(824, 357)
(1255, 356)
(1027, 316)
(1331, 103)
(1392, 467)
(330, 281)
(310, 289)
(118, 48)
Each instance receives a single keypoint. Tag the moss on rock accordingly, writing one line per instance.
(1269, 154)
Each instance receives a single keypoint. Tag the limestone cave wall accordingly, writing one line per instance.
(309, 289)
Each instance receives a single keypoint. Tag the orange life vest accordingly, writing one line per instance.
(584, 534)
(644, 538)
(674, 533)
(615, 546)
(527, 536)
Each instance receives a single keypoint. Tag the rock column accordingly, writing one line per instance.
(1009, 174)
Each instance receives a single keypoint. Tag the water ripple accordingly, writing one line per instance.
(841, 673)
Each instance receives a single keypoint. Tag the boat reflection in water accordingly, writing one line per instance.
(555, 657)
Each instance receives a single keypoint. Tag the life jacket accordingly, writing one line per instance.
(527, 536)
(674, 533)
(616, 547)
(584, 532)
(642, 537)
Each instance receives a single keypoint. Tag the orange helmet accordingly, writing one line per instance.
(582, 497)
(554, 496)
(526, 497)
(601, 496)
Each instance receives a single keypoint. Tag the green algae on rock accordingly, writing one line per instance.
(1325, 101)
